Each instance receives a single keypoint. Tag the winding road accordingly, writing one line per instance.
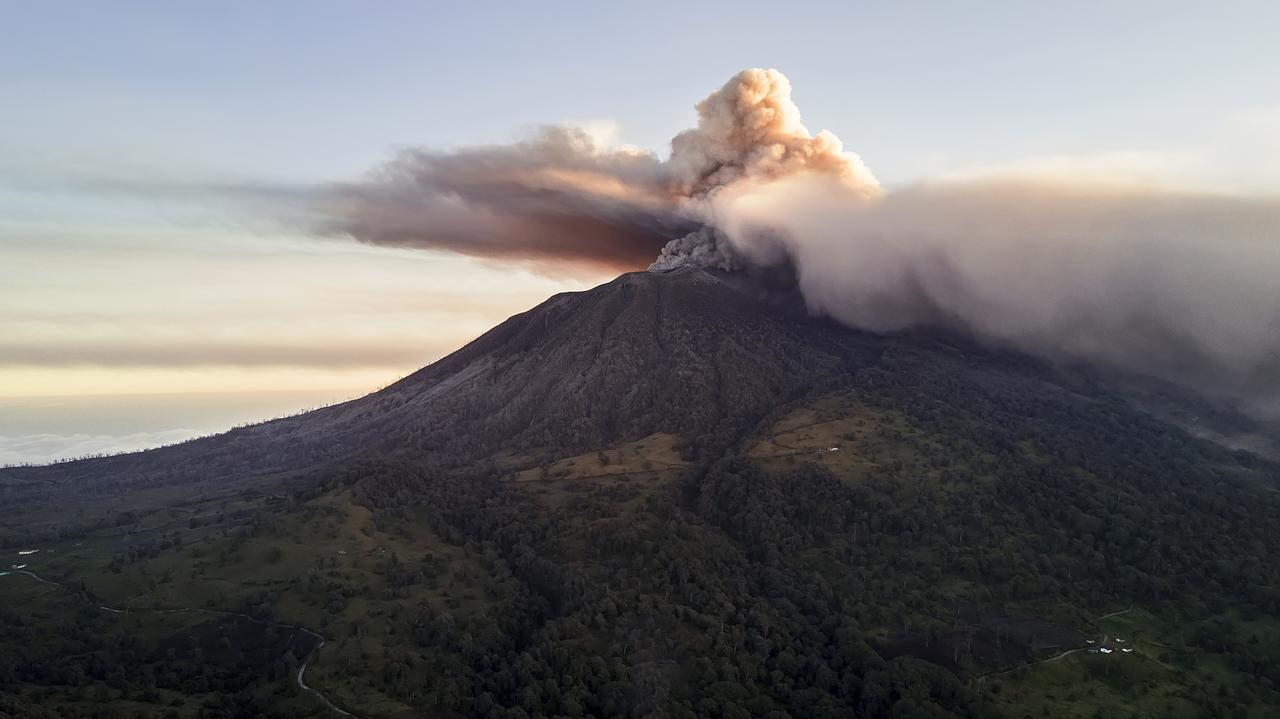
(302, 670)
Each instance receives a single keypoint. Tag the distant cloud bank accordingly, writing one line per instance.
(46, 448)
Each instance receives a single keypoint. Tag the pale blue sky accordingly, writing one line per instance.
(321, 90)
(131, 294)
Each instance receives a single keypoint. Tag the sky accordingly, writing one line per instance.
(139, 308)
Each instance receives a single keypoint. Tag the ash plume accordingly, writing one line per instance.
(705, 247)
(1179, 285)
(559, 198)
(750, 130)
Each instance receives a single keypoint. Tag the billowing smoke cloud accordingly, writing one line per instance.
(562, 198)
(1179, 285)
(706, 247)
(750, 130)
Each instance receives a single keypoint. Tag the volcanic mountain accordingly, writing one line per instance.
(680, 351)
(680, 494)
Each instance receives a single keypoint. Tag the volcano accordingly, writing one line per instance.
(681, 494)
(679, 351)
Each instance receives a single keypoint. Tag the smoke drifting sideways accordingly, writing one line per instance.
(560, 200)
(1178, 285)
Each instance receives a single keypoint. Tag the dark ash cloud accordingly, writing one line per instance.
(557, 198)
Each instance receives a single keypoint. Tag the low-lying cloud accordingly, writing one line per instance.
(48, 447)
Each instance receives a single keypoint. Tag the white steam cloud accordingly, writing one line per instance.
(1184, 286)
(1181, 286)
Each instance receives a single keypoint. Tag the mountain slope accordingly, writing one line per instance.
(645, 353)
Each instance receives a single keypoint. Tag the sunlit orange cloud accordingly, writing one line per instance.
(29, 381)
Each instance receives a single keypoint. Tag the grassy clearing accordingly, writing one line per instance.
(1165, 675)
(840, 433)
(655, 453)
